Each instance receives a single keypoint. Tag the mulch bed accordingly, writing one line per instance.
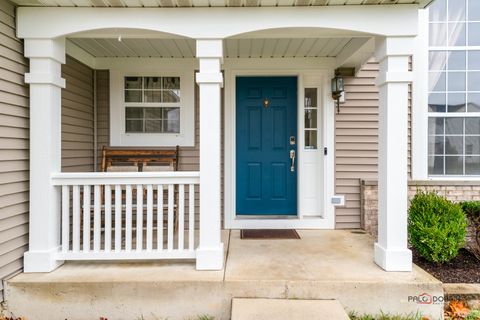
(465, 268)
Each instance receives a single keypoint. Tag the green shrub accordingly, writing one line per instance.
(436, 226)
(472, 210)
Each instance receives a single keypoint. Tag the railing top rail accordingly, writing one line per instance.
(113, 178)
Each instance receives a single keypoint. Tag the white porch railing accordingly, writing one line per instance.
(125, 216)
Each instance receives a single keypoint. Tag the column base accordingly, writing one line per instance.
(41, 261)
(210, 259)
(393, 259)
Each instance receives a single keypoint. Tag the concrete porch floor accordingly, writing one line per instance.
(321, 265)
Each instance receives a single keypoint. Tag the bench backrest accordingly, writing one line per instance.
(140, 158)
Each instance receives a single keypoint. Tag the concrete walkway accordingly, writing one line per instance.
(321, 265)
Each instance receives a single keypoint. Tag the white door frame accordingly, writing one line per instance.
(300, 68)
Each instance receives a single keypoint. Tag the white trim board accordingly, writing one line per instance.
(308, 75)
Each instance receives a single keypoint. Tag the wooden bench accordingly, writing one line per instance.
(122, 159)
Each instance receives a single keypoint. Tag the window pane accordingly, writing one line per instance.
(134, 113)
(473, 102)
(437, 60)
(171, 83)
(453, 145)
(457, 10)
(133, 82)
(436, 102)
(153, 96)
(134, 126)
(473, 10)
(472, 145)
(435, 126)
(133, 96)
(457, 60)
(472, 126)
(435, 165)
(310, 139)
(456, 102)
(457, 34)
(437, 81)
(153, 125)
(171, 126)
(438, 10)
(311, 118)
(474, 81)
(311, 98)
(474, 60)
(438, 32)
(472, 165)
(435, 145)
(153, 113)
(454, 125)
(152, 83)
(171, 95)
(474, 34)
(457, 81)
(453, 165)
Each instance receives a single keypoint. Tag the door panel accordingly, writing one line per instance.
(265, 184)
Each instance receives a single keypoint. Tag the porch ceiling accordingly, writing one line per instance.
(210, 3)
(233, 48)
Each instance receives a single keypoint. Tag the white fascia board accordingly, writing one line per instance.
(217, 23)
(425, 3)
(79, 54)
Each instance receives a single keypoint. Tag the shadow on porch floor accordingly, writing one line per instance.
(322, 265)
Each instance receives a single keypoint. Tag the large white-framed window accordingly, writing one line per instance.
(151, 103)
(454, 88)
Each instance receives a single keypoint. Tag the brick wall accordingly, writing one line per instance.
(453, 190)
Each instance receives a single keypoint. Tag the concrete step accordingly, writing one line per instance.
(284, 309)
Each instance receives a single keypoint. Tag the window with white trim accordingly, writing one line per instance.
(152, 104)
(454, 88)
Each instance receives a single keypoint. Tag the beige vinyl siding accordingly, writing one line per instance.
(356, 142)
(14, 147)
(77, 117)
(103, 113)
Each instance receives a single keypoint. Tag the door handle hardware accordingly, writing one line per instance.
(292, 157)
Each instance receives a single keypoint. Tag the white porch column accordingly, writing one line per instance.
(391, 252)
(210, 80)
(46, 57)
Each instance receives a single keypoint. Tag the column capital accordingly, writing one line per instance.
(393, 46)
(46, 49)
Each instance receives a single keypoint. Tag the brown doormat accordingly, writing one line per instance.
(268, 234)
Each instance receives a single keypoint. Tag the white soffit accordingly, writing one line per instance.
(211, 3)
(233, 48)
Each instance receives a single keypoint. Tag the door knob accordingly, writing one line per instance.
(292, 158)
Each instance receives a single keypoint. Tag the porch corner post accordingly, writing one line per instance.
(46, 57)
(210, 80)
(391, 250)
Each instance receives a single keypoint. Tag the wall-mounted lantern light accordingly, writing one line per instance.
(337, 89)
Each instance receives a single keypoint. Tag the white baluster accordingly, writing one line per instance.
(170, 217)
(191, 217)
(149, 217)
(76, 219)
(139, 217)
(86, 218)
(128, 218)
(160, 217)
(108, 218)
(118, 218)
(65, 218)
(181, 216)
(97, 221)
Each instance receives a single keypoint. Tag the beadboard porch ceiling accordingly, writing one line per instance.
(233, 48)
(211, 3)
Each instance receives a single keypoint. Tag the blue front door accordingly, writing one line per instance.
(266, 134)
